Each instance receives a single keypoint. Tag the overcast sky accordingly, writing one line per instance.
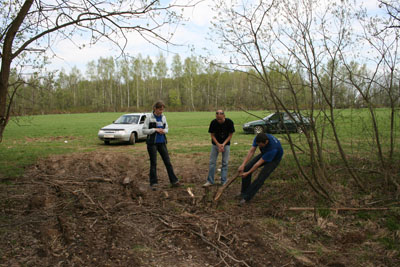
(194, 34)
(191, 35)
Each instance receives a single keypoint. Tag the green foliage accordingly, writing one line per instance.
(174, 99)
(109, 84)
(118, 85)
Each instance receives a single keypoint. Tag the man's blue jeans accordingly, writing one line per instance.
(249, 189)
(162, 149)
(213, 163)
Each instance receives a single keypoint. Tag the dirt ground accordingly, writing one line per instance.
(96, 209)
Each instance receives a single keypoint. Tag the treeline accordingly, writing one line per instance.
(191, 84)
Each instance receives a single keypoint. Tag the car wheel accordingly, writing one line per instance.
(106, 142)
(132, 139)
(258, 129)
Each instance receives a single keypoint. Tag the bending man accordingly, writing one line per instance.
(269, 158)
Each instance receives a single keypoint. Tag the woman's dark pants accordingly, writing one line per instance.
(162, 149)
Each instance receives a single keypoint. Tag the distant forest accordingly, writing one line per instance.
(188, 84)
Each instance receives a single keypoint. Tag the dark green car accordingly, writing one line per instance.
(278, 122)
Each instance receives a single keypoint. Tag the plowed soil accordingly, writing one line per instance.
(96, 209)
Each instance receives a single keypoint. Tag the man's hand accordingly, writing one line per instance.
(221, 148)
(244, 174)
(241, 169)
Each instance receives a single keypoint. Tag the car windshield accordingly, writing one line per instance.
(127, 119)
(272, 116)
(268, 117)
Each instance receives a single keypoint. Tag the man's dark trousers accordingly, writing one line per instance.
(249, 189)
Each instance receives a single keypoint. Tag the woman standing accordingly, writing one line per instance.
(156, 126)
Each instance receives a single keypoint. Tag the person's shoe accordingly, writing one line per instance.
(176, 184)
(242, 202)
(207, 184)
(154, 187)
(223, 183)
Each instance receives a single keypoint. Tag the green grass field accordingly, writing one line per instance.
(29, 138)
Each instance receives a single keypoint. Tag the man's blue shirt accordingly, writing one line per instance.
(271, 151)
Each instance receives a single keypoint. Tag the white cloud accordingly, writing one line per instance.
(69, 55)
(202, 14)
(192, 34)
(370, 5)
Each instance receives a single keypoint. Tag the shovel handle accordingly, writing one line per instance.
(222, 188)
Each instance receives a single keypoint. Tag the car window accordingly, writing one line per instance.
(142, 119)
(269, 116)
(296, 117)
(286, 117)
(299, 118)
(127, 119)
(274, 116)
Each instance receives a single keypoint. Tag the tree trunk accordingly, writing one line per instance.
(137, 92)
(6, 59)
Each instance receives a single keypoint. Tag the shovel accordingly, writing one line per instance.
(222, 188)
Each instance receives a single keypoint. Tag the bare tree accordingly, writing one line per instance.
(28, 27)
(383, 46)
(313, 47)
(309, 42)
(392, 8)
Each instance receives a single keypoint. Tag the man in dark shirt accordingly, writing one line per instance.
(221, 130)
(270, 157)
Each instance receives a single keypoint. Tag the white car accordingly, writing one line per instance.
(127, 128)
